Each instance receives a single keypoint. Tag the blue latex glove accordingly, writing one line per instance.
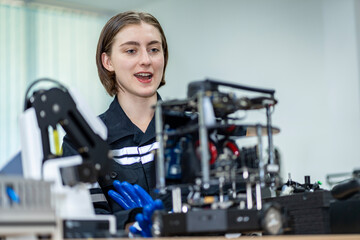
(129, 196)
(144, 219)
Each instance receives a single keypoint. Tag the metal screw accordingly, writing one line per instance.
(56, 108)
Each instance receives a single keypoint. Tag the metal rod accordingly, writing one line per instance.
(270, 136)
(176, 200)
(221, 189)
(258, 196)
(260, 155)
(271, 144)
(249, 202)
(160, 163)
(238, 86)
(233, 178)
(203, 135)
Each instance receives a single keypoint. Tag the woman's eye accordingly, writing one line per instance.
(130, 51)
(154, 50)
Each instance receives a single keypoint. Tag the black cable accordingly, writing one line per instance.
(36, 82)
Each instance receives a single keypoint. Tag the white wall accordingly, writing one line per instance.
(306, 50)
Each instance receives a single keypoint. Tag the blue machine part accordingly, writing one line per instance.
(173, 159)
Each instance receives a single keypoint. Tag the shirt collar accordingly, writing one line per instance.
(119, 125)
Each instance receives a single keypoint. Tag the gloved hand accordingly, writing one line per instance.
(144, 219)
(131, 196)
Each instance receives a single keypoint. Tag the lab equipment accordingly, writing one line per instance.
(45, 110)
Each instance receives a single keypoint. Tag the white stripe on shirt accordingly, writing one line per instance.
(149, 148)
(135, 150)
(98, 197)
(147, 158)
(125, 151)
(94, 185)
(131, 160)
(144, 154)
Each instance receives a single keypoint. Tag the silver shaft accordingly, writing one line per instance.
(160, 162)
(249, 202)
(258, 196)
(270, 136)
(176, 200)
(203, 135)
(260, 155)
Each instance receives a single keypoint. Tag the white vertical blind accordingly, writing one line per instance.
(38, 42)
(12, 77)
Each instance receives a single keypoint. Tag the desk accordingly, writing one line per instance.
(280, 237)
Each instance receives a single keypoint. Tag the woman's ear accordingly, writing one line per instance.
(106, 62)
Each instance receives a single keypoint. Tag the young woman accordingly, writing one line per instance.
(131, 58)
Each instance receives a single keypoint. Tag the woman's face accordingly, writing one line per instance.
(137, 58)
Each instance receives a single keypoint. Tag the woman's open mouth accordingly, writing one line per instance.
(144, 77)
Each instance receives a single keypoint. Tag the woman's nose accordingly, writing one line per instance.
(145, 58)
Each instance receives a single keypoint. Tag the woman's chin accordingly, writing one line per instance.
(147, 94)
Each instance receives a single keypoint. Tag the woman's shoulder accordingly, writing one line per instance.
(114, 109)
